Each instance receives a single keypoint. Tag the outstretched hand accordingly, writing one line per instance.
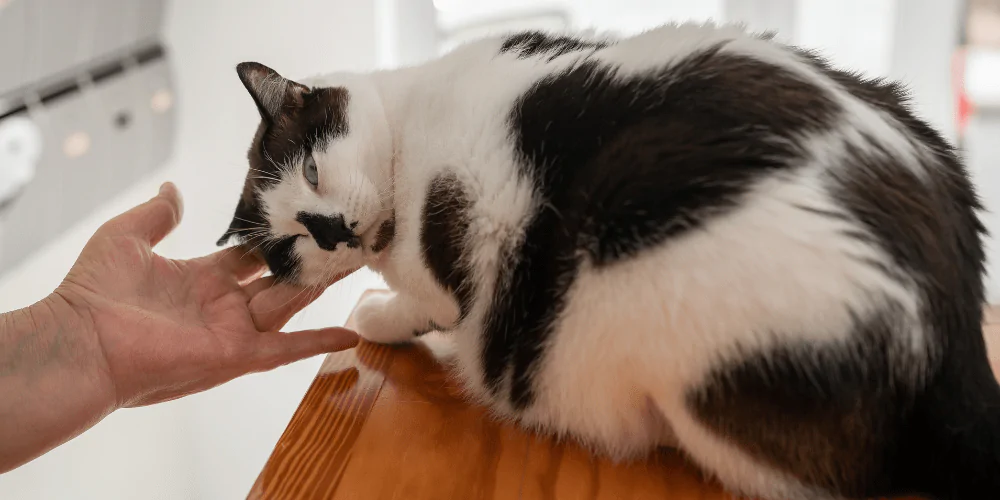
(168, 328)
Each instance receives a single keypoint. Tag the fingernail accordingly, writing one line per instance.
(165, 189)
(355, 341)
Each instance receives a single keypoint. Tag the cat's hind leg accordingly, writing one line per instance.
(803, 420)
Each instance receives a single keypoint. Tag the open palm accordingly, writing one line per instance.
(168, 328)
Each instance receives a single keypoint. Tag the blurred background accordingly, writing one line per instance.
(102, 100)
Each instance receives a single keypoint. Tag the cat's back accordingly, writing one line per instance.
(744, 166)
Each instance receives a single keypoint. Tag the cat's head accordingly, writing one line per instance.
(317, 197)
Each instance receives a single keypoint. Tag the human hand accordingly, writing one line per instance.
(168, 328)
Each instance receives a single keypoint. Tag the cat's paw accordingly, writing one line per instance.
(383, 319)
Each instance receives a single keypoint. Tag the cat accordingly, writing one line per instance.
(693, 237)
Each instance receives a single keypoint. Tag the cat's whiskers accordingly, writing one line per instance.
(258, 178)
(249, 228)
(254, 236)
(289, 166)
(258, 233)
(282, 168)
(265, 176)
(263, 240)
(269, 243)
(259, 171)
(263, 173)
(254, 224)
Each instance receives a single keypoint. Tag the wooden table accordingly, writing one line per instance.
(387, 423)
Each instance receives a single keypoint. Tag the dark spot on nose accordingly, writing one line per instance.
(329, 231)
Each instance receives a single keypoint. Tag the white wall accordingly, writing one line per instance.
(855, 34)
(407, 32)
(209, 446)
(624, 16)
(631, 16)
(925, 38)
(983, 156)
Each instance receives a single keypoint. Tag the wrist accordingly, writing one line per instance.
(52, 377)
(70, 314)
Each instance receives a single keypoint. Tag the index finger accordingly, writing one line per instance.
(274, 305)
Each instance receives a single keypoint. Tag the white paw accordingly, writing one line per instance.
(378, 318)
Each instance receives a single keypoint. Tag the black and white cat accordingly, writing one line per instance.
(695, 237)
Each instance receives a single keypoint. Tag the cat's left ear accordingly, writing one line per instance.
(273, 93)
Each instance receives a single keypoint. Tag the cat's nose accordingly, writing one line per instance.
(329, 231)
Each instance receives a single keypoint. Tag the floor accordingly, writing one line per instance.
(384, 423)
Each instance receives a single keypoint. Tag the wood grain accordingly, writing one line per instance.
(388, 423)
(314, 449)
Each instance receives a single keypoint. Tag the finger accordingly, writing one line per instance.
(272, 307)
(153, 220)
(235, 262)
(259, 285)
(265, 309)
(277, 349)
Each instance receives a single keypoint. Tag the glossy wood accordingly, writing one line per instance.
(388, 423)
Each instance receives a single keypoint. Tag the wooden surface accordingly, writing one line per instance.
(387, 423)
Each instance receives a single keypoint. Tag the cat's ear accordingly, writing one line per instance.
(239, 225)
(273, 93)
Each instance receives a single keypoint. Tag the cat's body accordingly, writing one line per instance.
(693, 237)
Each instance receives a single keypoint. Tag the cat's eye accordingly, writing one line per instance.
(310, 171)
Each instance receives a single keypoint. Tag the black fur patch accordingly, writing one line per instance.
(328, 231)
(623, 164)
(321, 117)
(306, 121)
(535, 43)
(281, 258)
(386, 233)
(651, 157)
(443, 238)
(825, 413)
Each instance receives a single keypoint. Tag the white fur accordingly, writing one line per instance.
(634, 335)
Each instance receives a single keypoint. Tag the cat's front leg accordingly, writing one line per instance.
(390, 318)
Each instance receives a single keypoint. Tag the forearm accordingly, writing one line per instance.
(52, 382)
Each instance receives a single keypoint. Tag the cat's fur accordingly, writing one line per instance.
(694, 236)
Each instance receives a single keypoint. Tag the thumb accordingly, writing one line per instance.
(153, 220)
(277, 349)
